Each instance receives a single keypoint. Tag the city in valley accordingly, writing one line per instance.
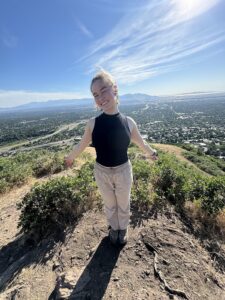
(192, 119)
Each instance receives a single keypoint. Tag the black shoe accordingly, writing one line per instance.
(123, 236)
(113, 236)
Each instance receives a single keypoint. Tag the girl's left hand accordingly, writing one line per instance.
(154, 156)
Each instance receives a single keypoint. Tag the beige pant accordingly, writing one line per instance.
(114, 184)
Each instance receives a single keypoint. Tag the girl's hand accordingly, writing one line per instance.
(68, 161)
(154, 156)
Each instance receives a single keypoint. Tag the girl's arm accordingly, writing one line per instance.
(137, 139)
(79, 148)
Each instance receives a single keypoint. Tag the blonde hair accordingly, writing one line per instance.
(105, 77)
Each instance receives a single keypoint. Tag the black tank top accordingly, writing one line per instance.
(111, 138)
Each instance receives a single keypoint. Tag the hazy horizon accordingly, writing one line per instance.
(196, 93)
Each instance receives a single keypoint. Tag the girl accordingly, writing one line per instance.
(111, 133)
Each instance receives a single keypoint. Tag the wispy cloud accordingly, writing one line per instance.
(83, 28)
(13, 98)
(155, 39)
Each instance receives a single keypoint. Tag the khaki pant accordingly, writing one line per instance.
(114, 184)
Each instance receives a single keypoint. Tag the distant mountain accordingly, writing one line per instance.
(136, 98)
(51, 104)
(126, 99)
(193, 96)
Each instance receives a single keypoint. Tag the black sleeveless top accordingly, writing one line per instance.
(111, 138)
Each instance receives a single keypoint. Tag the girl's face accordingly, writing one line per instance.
(105, 95)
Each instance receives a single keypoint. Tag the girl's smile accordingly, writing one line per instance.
(105, 96)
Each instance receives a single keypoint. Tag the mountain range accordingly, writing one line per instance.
(126, 99)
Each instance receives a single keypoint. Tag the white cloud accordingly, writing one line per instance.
(14, 98)
(84, 29)
(154, 39)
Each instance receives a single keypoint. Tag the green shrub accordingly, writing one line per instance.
(141, 170)
(169, 179)
(188, 147)
(15, 170)
(59, 202)
(195, 186)
(3, 186)
(12, 173)
(213, 200)
(141, 194)
(141, 189)
(48, 164)
(208, 164)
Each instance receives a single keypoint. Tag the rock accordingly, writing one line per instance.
(63, 293)
(72, 281)
(55, 265)
(93, 250)
(11, 292)
(116, 279)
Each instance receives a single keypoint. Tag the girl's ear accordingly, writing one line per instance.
(115, 89)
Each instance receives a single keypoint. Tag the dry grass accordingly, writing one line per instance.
(89, 151)
(220, 220)
(213, 225)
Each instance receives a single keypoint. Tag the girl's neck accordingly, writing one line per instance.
(112, 111)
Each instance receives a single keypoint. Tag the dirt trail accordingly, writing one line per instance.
(162, 260)
(86, 266)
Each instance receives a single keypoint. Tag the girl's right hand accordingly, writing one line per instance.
(68, 161)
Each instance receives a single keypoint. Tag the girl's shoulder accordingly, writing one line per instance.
(131, 123)
(91, 123)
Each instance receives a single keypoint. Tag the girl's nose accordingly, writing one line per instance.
(102, 99)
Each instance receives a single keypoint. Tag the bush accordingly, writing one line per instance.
(15, 170)
(54, 205)
(173, 181)
(141, 170)
(196, 186)
(213, 200)
(188, 147)
(48, 164)
(210, 165)
(141, 189)
(12, 173)
(169, 179)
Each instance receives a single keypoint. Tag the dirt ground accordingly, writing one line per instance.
(84, 265)
(162, 260)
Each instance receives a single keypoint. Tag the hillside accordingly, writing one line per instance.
(177, 151)
(165, 258)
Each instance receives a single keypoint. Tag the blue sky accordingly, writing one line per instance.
(50, 49)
